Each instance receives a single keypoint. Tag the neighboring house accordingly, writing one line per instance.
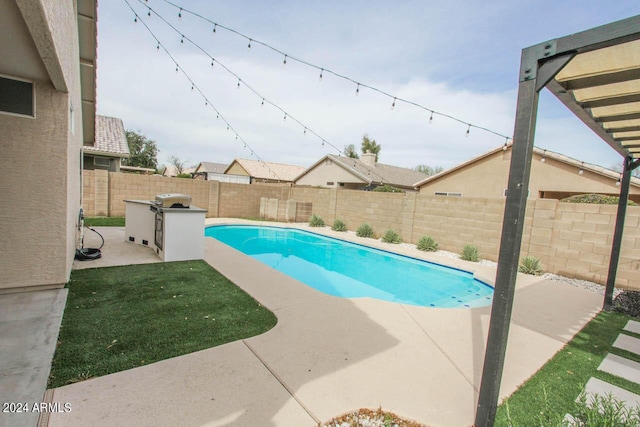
(171, 170)
(359, 174)
(110, 146)
(215, 172)
(47, 114)
(259, 171)
(553, 176)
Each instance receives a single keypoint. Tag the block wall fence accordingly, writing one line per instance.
(573, 240)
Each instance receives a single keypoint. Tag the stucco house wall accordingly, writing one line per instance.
(38, 220)
(330, 175)
(487, 177)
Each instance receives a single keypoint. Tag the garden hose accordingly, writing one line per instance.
(89, 254)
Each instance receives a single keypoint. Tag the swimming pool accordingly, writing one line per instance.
(349, 270)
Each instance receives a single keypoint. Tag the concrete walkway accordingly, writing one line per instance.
(328, 355)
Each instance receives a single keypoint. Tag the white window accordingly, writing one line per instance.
(447, 193)
(101, 161)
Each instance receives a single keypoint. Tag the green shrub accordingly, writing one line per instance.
(365, 230)
(597, 199)
(427, 243)
(338, 225)
(530, 265)
(605, 410)
(316, 221)
(391, 236)
(470, 253)
(184, 175)
(387, 189)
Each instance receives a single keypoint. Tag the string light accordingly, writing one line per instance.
(544, 158)
(285, 117)
(323, 69)
(305, 131)
(149, 13)
(182, 39)
(238, 83)
(180, 14)
(285, 60)
(262, 103)
(431, 118)
(358, 89)
(249, 45)
(218, 115)
(394, 103)
(135, 19)
(468, 130)
(581, 171)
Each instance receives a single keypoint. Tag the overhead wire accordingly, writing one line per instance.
(253, 40)
(194, 86)
(240, 81)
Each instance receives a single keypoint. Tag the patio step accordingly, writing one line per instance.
(621, 367)
(603, 388)
(629, 343)
(632, 326)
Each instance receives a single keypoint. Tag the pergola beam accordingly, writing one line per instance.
(601, 79)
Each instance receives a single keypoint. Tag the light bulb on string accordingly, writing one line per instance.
(581, 171)
(180, 14)
(176, 68)
(238, 84)
(394, 104)
(135, 19)
(149, 12)
(217, 115)
(543, 159)
(504, 147)
(182, 38)
(323, 142)
(158, 46)
(191, 87)
(468, 130)
(285, 117)
(321, 71)
(227, 127)
(431, 118)
(249, 45)
(214, 27)
(358, 89)
(285, 60)
(305, 131)
(212, 61)
(262, 103)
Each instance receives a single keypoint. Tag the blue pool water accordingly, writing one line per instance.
(349, 270)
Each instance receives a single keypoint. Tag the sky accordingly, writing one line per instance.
(459, 58)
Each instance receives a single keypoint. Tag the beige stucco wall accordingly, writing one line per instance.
(236, 169)
(328, 171)
(488, 178)
(38, 223)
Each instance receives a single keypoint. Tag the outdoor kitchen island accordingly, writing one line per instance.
(169, 225)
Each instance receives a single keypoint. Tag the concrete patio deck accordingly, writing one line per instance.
(328, 355)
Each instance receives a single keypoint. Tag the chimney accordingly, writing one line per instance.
(368, 158)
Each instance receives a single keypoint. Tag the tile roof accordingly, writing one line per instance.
(269, 170)
(380, 172)
(110, 138)
(212, 167)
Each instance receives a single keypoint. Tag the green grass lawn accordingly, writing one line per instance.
(98, 221)
(119, 318)
(550, 394)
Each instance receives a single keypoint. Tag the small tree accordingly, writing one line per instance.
(176, 163)
(142, 151)
(428, 170)
(371, 146)
(350, 151)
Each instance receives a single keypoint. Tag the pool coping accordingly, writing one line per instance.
(473, 275)
(483, 273)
